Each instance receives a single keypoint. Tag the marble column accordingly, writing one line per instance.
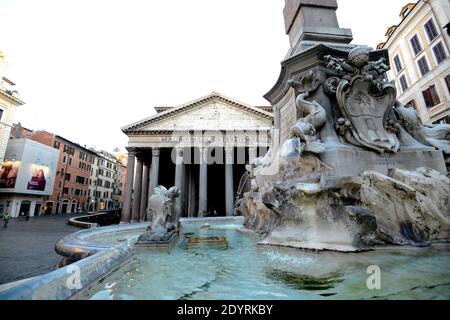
(144, 194)
(154, 175)
(189, 193)
(135, 213)
(179, 172)
(203, 183)
(229, 188)
(126, 210)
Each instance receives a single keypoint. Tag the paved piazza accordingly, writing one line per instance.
(27, 247)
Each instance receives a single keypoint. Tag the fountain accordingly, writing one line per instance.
(350, 167)
(350, 170)
(165, 226)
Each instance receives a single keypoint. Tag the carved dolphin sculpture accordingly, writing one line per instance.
(437, 136)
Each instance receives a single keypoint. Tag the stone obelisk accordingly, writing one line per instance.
(309, 22)
(315, 36)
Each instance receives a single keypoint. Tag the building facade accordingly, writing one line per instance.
(27, 175)
(419, 51)
(86, 179)
(121, 180)
(9, 101)
(70, 192)
(104, 191)
(201, 147)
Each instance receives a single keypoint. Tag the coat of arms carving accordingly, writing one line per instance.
(365, 100)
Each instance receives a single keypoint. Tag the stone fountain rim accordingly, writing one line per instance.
(97, 260)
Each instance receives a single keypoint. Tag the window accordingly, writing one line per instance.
(447, 82)
(398, 63)
(56, 144)
(1, 114)
(80, 180)
(430, 29)
(415, 44)
(403, 83)
(423, 66)
(65, 190)
(431, 97)
(69, 150)
(60, 184)
(439, 53)
(64, 159)
(67, 176)
(412, 104)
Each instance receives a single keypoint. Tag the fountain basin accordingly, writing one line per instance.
(113, 269)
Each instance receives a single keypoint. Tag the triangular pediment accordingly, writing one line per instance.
(212, 112)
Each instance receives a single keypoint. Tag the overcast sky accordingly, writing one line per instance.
(86, 68)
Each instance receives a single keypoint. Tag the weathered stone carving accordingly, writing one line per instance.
(410, 207)
(330, 189)
(365, 100)
(353, 213)
(164, 226)
(314, 116)
(316, 217)
(437, 136)
(306, 204)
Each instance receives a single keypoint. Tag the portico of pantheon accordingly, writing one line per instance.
(201, 147)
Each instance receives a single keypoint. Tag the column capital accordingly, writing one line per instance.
(179, 151)
(156, 152)
(131, 150)
(139, 159)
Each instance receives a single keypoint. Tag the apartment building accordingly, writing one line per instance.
(104, 182)
(419, 51)
(70, 193)
(9, 101)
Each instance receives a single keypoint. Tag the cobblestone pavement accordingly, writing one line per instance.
(27, 248)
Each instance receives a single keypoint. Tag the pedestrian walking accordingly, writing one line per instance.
(6, 218)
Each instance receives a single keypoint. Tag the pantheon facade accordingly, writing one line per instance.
(201, 147)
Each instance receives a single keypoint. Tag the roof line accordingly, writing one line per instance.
(193, 103)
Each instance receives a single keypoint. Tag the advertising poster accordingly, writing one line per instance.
(38, 174)
(8, 174)
(37, 164)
